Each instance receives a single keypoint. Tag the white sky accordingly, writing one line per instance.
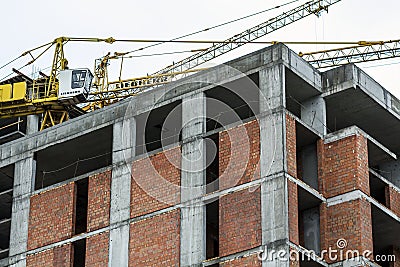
(27, 24)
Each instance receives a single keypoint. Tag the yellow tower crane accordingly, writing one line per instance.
(57, 95)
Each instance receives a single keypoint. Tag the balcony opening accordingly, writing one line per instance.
(79, 253)
(212, 162)
(6, 198)
(74, 157)
(81, 206)
(158, 128)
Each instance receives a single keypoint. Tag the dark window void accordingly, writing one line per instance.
(306, 155)
(81, 206)
(309, 229)
(12, 128)
(79, 253)
(212, 161)
(5, 226)
(75, 157)
(297, 90)
(232, 102)
(307, 165)
(309, 220)
(377, 188)
(158, 128)
(6, 195)
(212, 230)
(6, 191)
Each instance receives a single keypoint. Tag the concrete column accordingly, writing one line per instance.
(32, 124)
(272, 88)
(313, 113)
(24, 178)
(273, 163)
(124, 140)
(193, 214)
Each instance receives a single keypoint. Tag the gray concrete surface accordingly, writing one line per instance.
(313, 112)
(24, 175)
(123, 151)
(193, 213)
(32, 124)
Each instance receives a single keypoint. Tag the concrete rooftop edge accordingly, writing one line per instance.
(325, 83)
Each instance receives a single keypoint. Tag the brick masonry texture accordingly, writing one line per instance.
(155, 182)
(99, 201)
(235, 166)
(249, 261)
(343, 166)
(393, 199)
(155, 241)
(239, 221)
(56, 257)
(291, 145)
(350, 221)
(51, 216)
(97, 250)
(293, 213)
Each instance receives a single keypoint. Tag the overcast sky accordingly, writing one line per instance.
(27, 24)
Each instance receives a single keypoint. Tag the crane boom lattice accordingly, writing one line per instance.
(256, 32)
(364, 52)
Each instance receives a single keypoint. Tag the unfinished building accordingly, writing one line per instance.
(262, 154)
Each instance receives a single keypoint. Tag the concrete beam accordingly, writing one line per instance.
(124, 140)
(24, 178)
(193, 213)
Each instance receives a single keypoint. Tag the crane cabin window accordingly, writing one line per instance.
(78, 78)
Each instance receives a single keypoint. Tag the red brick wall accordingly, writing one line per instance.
(235, 168)
(51, 216)
(293, 213)
(249, 261)
(156, 241)
(291, 145)
(239, 221)
(99, 201)
(299, 166)
(97, 250)
(58, 256)
(350, 221)
(343, 166)
(155, 182)
(323, 219)
(393, 199)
